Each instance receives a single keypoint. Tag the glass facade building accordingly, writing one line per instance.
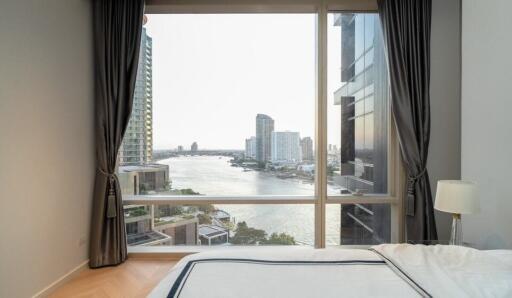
(363, 99)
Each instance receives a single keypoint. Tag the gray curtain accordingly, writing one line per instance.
(406, 29)
(117, 33)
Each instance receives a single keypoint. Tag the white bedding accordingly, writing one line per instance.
(452, 271)
(389, 271)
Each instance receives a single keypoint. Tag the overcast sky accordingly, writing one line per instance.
(213, 73)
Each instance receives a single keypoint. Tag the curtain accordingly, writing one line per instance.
(117, 34)
(406, 30)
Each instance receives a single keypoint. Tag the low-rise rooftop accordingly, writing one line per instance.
(143, 168)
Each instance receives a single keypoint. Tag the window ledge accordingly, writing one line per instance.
(198, 199)
(178, 252)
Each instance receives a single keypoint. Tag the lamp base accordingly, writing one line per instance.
(456, 235)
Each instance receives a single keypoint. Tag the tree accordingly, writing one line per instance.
(137, 212)
(188, 191)
(330, 170)
(247, 235)
(206, 208)
(168, 185)
(175, 210)
(204, 219)
(280, 239)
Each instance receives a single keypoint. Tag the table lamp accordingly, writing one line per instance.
(457, 197)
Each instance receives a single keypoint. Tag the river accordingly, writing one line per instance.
(214, 175)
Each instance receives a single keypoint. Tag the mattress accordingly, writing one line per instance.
(382, 271)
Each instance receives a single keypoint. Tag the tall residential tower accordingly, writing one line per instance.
(264, 129)
(194, 147)
(137, 146)
(286, 147)
(306, 145)
(250, 148)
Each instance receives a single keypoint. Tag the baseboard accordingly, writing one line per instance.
(59, 282)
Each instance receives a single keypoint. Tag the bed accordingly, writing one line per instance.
(388, 270)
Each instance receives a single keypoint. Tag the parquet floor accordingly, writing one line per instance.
(134, 278)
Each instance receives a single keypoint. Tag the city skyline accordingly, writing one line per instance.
(199, 94)
(359, 166)
(246, 140)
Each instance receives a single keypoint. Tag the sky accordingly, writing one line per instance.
(213, 73)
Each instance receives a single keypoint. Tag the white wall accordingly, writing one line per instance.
(46, 145)
(486, 120)
(444, 150)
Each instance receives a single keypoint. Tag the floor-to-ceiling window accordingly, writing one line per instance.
(259, 129)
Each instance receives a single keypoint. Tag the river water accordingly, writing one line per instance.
(214, 175)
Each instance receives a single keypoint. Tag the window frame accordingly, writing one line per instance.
(321, 199)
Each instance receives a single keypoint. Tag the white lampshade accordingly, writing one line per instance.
(455, 196)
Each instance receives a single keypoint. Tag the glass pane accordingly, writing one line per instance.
(369, 29)
(358, 224)
(359, 31)
(357, 105)
(223, 105)
(151, 225)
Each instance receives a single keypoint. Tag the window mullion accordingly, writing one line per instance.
(199, 199)
(321, 126)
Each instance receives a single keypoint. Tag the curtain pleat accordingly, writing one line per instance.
(406, 30)
(117, 35)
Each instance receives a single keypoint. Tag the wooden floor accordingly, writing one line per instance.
(134, 278)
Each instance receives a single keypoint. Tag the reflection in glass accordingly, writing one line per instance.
(361, 224)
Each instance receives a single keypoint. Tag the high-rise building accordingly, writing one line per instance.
(250, 148)
(137, 145)
(180, 148)
(306, 145)
(194, 147)
(363, 97)
(286, 146)
(264, 129)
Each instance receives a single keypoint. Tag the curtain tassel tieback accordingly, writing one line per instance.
(411, 192)
(111, 199)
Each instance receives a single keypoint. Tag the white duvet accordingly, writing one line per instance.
(452, 271)
(386, 271)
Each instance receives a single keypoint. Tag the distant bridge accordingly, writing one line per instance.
(162, 154)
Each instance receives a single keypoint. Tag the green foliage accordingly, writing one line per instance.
(168, 185)
(192, 209)
(280, 239)
(330, 170)
(245, 235)
(206, 208)
(188, 191)
(137, 212)
(204, 219)
(176, 210)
